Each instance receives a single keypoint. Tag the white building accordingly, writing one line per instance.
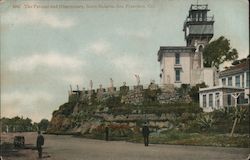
(233, 87)
(184, 64)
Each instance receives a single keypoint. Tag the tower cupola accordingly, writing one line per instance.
(198, 26)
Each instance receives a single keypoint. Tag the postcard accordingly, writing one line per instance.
(127, 79)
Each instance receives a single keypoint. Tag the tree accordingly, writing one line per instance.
(219, 51)
(184, 89)
(16, 124)
(194, 91)
(43, 124)
(238, 115)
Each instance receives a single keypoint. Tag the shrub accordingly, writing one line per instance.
(205, 121)
(194, 91)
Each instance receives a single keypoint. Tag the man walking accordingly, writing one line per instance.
(39, 143)
(145, 133)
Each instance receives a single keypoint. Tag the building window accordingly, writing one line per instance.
(230, 81)
(241, 99)
(204, 101)
(243, 81)
(247, 79)
(223, 81)
(200, 16)
(210, 100)
(229, 100)
(177, 58)
(237, 81)
(177, 75)
(217, 95)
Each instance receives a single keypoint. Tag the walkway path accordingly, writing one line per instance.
(67, 147)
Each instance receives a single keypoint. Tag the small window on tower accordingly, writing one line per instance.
(200, 48)
(177, 58)
(177, 75)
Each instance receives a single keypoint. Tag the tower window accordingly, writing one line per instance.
(177, 75)
(177, 58)
(200, 16)
(200, 48)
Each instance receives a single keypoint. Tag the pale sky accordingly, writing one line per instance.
(44, 50)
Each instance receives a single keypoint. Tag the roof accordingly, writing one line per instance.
(220, 87)
(174, 49)
(235, 69)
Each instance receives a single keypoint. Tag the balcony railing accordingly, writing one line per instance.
(200, 19)
(199, 7)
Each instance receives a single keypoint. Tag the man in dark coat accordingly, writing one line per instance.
(145, 133)
(39, 143)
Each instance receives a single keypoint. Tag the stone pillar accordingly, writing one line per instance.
(124, 89)
(82, 94)
(207, 100)
(138, 88)
(233, 81)
(100, 92)
(245, 79)
(111, 90)
(242, 82)
(214, 101)
(221, 100)
(201, 100)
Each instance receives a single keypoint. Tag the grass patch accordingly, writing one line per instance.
(199, 139)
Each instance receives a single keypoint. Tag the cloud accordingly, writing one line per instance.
(37, 17)
(129, 66)
(50, 60)
(74, 79)
(99, 47)
(28, 104)
(141, 34)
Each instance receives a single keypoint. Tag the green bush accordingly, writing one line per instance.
(205, 121)
(67, 108)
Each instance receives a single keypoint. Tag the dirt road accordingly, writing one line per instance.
(66, 147)
(70, 148)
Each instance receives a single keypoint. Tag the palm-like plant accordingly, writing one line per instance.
(205, 121)
(238, 115)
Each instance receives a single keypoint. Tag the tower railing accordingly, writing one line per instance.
(196, 19)
(199, 7)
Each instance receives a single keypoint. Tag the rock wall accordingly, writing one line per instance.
(164, 95)
(88, 110)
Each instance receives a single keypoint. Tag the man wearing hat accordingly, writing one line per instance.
(39, 143)
(145, 133)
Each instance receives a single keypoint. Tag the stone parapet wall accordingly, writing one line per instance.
(164, 94)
